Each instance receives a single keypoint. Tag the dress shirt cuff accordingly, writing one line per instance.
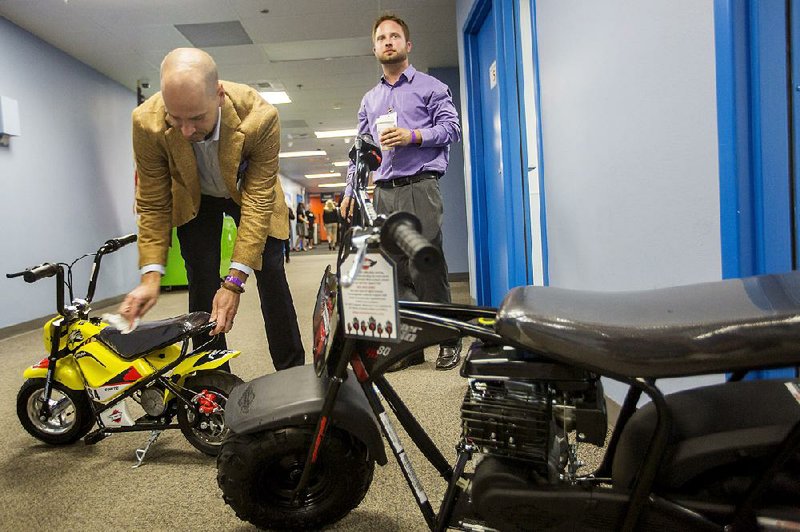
(153, 268)
(242, 268)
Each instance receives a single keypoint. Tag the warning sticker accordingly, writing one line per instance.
(370, 303)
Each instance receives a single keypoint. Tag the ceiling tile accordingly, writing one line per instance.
(229, 33)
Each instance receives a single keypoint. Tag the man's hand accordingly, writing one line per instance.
(223, 310)
(395, 136)
(142, 298)
(344, 208)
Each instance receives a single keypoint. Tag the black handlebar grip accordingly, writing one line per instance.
(39, 272)
(401, 233)
(115, 243)
(127, 239)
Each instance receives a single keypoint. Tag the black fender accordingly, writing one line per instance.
(294, 397)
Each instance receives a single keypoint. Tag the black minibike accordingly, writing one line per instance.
(303, 442)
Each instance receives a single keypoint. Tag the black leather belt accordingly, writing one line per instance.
(403, 181)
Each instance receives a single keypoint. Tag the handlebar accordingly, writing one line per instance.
(114, 244)
(46, 269)
(400, 233)
(31, 275)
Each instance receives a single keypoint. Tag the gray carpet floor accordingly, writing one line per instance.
(94, 488)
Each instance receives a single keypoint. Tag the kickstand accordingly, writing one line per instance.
(140, 453)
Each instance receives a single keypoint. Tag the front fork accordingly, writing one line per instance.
(55, 341)
(409, 423)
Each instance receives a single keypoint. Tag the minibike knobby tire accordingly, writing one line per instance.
(206, 431)
(72, 416)
(258, 472)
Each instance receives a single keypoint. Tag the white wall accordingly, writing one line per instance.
(629, 131)
(629, 140)
(67, 182)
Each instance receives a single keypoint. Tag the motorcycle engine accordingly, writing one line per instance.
(152, 401)
(514, 419)
(520, 406)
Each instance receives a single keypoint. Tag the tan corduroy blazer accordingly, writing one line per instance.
(168, 193)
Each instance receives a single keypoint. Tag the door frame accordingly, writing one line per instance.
(513, 156)
(756, 210)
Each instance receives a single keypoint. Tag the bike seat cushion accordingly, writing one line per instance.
(685, 330)
(153, 335)
(722, 436)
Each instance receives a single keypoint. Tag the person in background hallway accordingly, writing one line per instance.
(415, 155)
(311, 219)
(287, 244)
(203, 148)
(330, 217)
(300, 227)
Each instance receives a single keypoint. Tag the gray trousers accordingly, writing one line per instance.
(424, 200)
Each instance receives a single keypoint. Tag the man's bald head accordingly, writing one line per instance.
(191, 91)
(190, 66)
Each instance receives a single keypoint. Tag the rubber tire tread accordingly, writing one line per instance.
(83, 412)
(243, 455)
(216, 380)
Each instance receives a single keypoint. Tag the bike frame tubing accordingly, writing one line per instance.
(652, 461)
(745, 516)
(625, 413)
(418, 435)
(391, 436)
(158, 375)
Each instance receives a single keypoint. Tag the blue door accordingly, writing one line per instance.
(499, 191)
(757, 100)
(491, 165)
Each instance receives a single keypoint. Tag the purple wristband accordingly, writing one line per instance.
(235, 280)
(413, 136)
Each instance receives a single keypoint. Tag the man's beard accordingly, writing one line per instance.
(398, 57)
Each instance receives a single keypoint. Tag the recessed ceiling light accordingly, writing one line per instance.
(333, 185)
(276, 97)
(310, 153)
(341, 163)
(323, 176)
(336, 133)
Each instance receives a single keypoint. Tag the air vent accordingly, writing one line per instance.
(215, 34)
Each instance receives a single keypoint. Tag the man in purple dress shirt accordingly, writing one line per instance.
(413, 116)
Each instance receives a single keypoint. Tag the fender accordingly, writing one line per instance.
(203, 361)
(67, 373)
(293, 397)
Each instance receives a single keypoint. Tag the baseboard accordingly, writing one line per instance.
(32, 325)
(456, 277)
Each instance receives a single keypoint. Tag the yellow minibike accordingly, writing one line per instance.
(94, 370)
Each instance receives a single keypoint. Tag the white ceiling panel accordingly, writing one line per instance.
(311, 43)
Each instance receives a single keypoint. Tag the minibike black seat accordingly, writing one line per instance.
(685, 330)
(153, 335)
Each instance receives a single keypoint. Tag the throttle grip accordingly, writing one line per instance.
(39, 272)
(400, 233)
(114, 244)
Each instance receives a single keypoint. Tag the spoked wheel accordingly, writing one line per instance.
(203, 423)
(70, 413)
(259, 472)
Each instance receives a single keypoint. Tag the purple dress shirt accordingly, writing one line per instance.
(422, 102)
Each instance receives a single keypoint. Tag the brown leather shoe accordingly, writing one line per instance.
(449, 356)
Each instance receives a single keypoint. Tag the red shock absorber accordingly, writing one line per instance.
(206, 402)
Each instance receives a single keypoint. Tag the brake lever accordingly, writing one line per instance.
(360, 243)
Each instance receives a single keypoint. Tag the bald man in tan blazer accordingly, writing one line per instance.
(205, 148)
